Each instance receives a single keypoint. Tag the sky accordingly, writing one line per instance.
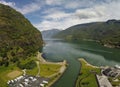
(61, 14)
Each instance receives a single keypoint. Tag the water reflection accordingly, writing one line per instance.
(58, 50)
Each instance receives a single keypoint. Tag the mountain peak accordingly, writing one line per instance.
(113, 21)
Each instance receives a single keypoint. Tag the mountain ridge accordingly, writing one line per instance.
(107, 33)
(50, 33)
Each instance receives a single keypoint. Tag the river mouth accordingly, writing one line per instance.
(94, 53)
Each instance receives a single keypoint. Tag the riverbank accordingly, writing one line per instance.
(57, 76)
(43, 61)
(87, 74)
(50, 70)
(88, 64)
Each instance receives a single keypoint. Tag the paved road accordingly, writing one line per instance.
(103, 81)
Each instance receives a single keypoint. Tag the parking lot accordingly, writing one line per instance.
(28, 81)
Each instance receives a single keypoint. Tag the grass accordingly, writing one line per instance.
(33, 71)
(14, 74)
(46, 70)
(87, 77)
(114, 83)
(4, 74)
(12, 71)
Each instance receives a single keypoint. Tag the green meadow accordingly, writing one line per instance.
(87, 76)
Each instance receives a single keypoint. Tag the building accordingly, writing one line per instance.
(111, 72)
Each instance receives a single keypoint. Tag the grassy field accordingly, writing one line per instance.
(50, 70)
(87, 77)
(12, 71)
(8, 73)
(46, 70)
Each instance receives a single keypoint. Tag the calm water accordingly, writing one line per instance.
(94, 53)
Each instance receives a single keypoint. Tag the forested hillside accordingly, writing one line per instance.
(107, 33)
(18, 37)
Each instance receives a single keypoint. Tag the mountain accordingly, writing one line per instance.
(18, 37)
(49, 33)
(107, 33)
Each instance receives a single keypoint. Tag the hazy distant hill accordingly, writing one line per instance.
(18, 37)
(49, 33)
(107, 33)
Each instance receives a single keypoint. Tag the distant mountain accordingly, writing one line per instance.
(107, 33)
(49, 33)
(18, 37)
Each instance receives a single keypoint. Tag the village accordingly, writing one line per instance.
(109, 75)
(94, 76)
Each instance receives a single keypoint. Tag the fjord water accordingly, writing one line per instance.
(93, 52)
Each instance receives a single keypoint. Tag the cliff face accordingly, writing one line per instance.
(18, 37)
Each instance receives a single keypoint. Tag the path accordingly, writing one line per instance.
(38, 65)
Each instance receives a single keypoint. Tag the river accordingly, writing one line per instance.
(93, 52)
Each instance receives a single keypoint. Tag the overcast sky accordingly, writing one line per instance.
(61, 14)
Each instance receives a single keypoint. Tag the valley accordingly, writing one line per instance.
(48, 43)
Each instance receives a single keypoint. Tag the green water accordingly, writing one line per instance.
(94, 53)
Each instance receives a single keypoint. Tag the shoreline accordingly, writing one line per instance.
(87, 74)
(56, 79)
(58, 74)
(43, 61)
(88, 64)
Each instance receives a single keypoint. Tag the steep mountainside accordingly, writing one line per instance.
(49, 33)
(107, 33)
(18, 37)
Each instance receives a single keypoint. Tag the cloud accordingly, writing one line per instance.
(73, 4)
(113, 9)
(61, 20)
(62, 14)
(55, 2)
(63, 24)
(57, 15)
(12, 4)
(31, 7)
(99, 12)
(86, 13)
(26, 9)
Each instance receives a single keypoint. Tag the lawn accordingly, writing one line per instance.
(87, 77)
(46, 70)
